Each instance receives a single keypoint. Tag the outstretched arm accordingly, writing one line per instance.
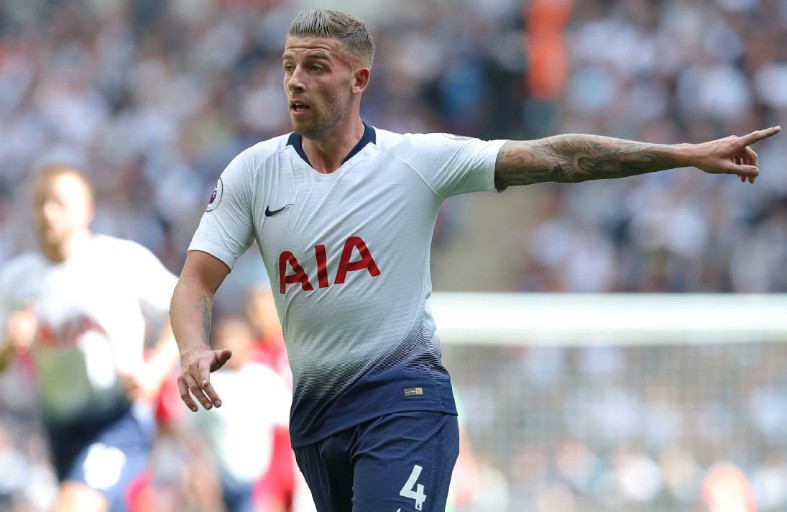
(190, 316)
(574, 158)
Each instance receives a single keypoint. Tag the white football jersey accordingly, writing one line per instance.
(348, 255)
(92, 313)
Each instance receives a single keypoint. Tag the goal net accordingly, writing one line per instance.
(638, 402)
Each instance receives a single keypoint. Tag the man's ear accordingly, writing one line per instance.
(361, 79)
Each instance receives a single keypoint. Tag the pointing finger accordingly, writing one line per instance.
(758, 135)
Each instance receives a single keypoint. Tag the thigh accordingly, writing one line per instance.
(326, 466)
(404, 461)
(111, 459)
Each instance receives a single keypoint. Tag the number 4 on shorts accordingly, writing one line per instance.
(413, 490)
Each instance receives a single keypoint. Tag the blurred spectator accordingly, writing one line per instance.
(283, 482)
(241, 438)
(261, 314)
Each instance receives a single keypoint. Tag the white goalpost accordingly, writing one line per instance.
(511, 318)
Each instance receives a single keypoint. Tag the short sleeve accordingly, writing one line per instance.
(226, 228)
(452, 164)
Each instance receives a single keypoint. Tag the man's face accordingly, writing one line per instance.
(61, 207)
(318, 80)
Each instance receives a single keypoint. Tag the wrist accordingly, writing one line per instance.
(189, 352)
(685, 155)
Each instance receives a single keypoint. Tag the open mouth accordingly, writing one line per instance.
(298, 107)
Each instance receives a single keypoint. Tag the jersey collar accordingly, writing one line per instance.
(369, 137)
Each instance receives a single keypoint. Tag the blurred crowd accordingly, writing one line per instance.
(665, 71)
(625, 428)
(154, 98)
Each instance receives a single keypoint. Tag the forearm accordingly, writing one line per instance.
(190, 315)
(574, 158)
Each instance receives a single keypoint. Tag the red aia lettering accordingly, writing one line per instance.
(322, 265)
(366, 261)
(298, 275)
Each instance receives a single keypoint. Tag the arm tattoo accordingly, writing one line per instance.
(576, 158)
(203, 307)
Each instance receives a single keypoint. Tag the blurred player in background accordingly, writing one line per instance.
(80, 306)
(344, 214)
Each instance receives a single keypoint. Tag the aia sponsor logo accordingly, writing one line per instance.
(355, 257)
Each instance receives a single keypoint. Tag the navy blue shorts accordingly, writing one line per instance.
(105, 455)
(399, 462)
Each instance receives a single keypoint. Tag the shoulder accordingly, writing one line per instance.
(404, 143)
(256, 156)
(241, 176)
(101, 241)
(437, 149)
(140, 265)
(396, 140)
(124, 249)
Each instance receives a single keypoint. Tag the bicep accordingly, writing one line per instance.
(521, 162)
(203, 271)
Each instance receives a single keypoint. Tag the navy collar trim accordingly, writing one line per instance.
(369, 137)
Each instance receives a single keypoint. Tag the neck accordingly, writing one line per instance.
(327, 154)
(60, 252)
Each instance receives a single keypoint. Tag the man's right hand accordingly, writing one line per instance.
(194, 379)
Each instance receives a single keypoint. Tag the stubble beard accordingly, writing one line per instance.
(326, 120)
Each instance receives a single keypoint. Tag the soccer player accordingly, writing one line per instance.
(80, 306)
(343, 213)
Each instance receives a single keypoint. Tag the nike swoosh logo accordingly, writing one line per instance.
(271, 213)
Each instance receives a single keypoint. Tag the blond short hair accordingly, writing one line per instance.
(352, 33)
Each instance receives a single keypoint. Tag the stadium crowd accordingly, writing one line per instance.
(153, 99)
(634, 428)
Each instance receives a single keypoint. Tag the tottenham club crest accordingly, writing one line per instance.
(215, 197)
